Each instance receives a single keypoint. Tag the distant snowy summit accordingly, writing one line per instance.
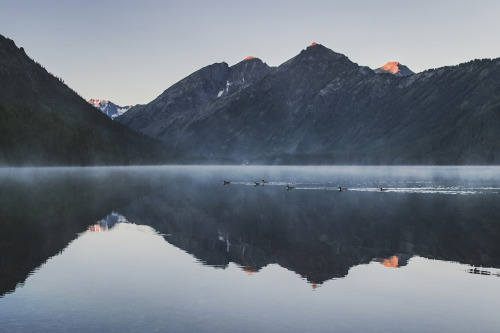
(109, 108)
(394, 68)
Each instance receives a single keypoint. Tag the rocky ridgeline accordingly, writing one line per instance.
(320, 108)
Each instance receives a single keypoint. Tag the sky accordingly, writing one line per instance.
(129, 52)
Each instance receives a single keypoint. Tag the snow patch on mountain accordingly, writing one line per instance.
(225, 91)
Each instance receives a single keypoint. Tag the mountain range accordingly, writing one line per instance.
(319, 107)
(110, 109)
(44, 122)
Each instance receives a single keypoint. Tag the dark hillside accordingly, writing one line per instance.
(44, 122)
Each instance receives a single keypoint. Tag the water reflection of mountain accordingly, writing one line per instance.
(42, 213)
(318, 234)
(108, 222)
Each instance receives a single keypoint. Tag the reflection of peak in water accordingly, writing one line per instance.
(98, 227)
(318, 234)
(43, 214)
(108, 222)
(396, 261)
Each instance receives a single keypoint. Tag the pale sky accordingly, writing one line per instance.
(129, 52)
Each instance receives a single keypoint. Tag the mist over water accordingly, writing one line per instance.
(172, 248)
(462, 174)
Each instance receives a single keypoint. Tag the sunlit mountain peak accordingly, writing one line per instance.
(395, 68)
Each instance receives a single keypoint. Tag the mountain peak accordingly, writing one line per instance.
(318, 52)
(395, 68)
(317, 55)
(249, 58)
(392, 67)
(109, 108)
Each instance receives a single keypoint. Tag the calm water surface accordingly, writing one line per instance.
(172, 249)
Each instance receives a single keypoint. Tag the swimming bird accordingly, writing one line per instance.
(263, 182)
(256, 183)
(383, 189)
(224, 182)
(342, 189)
(288, 187)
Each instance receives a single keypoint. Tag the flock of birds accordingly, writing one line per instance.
(288, 187)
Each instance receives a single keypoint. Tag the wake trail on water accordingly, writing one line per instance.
(454, 190)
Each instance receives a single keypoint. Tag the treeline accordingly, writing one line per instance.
(34, 138)
(45, 138)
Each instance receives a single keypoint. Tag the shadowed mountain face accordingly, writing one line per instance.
(182, 101)
(319, 234)
(319, 107)
(43, 122)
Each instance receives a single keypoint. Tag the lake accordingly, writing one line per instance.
(172, 249)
